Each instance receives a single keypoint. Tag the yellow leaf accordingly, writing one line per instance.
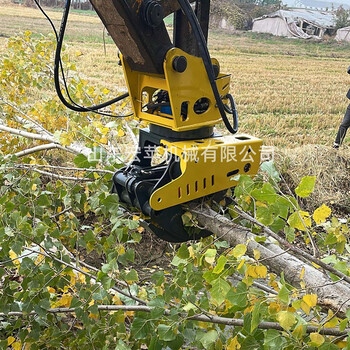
(239, 250)
(13, 255)
(17, 345)
(120, 249)
(34, 187)
(332, 323)
(51, 290)
(106, 91)
(81, 278)
(91, 315)
(116, 300)
(286, 319)
(315, 265)
(104, 130)
(78, 53)
(302, 273)
(310, 299)
(316, 339)
(256, 271)
(64, 301)
(341, 344)
(256, 254)
(10, 340)
(121, 133)
(130, 313)
(298, 332)
(305, 307)
(104, 140)
(191, 251)
(274, 308)
(261, 204)
(241, 264)
(234, 344)
(321, 214)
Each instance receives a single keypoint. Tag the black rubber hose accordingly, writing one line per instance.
(75, 106)
(204, 52)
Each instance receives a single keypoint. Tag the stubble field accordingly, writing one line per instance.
(290, 92)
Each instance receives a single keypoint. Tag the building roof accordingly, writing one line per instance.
(318, 18)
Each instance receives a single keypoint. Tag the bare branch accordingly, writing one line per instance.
(40, 148)
(60, 177)
(91, 170)
(26, 134)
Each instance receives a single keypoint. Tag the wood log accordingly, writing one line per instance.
(330, 295)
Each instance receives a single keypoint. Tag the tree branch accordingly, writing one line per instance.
(39, 148)
(50, 256)
(201, 318)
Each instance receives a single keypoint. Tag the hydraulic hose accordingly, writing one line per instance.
(74, 106)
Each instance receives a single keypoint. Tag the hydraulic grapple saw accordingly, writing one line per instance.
(181, 92)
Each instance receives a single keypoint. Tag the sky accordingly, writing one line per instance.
(345, 2)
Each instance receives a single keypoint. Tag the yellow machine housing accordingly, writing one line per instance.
(204, 167)
(183, 88)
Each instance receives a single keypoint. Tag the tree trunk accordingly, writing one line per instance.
(331, 295)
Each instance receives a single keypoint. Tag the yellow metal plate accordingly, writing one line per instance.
(208, 166)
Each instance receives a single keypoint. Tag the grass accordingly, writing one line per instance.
(289, 92)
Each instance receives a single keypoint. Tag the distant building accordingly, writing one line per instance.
(300, 23)
(343, 34)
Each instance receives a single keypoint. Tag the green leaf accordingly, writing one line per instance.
(166, 333)
(209, 338)
(306, 186)
(183, 252)
(219, 290)
(122, 346)
(210, 255)
(220, 264)
(141, 328)
(300, 220)
(283, 295)
(273, 340)
(239, 296)
(328, 346)
(270, 168)
(81, 161)
(255, 317)
(290, 233)
(267, 194)
(132, 276)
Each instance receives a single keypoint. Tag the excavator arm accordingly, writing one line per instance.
(181, 92)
